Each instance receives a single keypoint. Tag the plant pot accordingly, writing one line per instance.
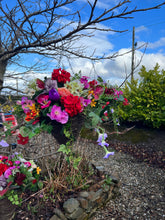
(7, 209)
(76, 124)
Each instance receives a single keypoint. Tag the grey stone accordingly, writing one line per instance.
(100, 168)
(84, 194)
(55, 217)
(91, 195)
(76, 214)
(71, 205)
(83, 202)
(60, 214)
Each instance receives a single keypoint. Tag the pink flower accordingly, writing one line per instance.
(98, 91)
(58, 115)
(26, 103)
(84, 102)
(43, 100)
(117, 94)
(8, 172)
(28, 164)
(17, 162)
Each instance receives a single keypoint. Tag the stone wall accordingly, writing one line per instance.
(84, 206)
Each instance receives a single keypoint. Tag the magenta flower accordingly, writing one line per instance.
(84, 80)
(84, 102)
(54, 95)
(98, 91)
(43, 100)
(117, 94)
(17, 162)
(58, 115)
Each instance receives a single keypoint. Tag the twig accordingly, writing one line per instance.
(121, 132)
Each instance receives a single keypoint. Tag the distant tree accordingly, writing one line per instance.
(51, 27)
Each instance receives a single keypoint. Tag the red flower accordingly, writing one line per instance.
(125, 102)
(92, 83)
(20, 178)
(72, 104)
(36, 121)
(22, 140)
(3, 168)
(109, 91)
(61, 76)
(40, 84)
(34, 181)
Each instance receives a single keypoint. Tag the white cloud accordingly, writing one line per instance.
(116, 70)
(141, 28)
(156, 44)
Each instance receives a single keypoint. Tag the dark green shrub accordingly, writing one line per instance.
(146, 97)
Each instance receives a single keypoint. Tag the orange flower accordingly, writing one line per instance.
(93, 103)
(30, 116)
(34, 109)
(63, 91)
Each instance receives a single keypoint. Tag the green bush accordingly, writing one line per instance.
(146, 97)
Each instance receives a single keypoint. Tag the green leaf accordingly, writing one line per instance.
(63, 148)
(24, 131)
(40, 185)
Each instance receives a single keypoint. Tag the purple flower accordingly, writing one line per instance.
(3, 182)
(112, 110)
(24, 100)
(108, 154)
(4, 143)
(101, 139)
(49, 84)
(58, 115)
(54, 95)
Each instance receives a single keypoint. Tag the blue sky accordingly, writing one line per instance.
(149, 28)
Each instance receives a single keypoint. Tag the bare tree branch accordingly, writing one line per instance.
(51, 28)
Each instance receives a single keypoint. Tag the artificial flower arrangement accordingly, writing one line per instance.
(16, 176)
(61, 98)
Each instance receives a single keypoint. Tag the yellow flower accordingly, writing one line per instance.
(91, 92)
(93, 103)
(33, 109)
(38, 170)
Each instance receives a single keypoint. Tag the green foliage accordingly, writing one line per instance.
(14, 198)
(146, 97)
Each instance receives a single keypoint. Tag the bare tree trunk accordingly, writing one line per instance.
(3, 65)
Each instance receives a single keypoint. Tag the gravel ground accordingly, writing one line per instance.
(142, 191)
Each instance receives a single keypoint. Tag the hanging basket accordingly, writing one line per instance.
(76, 124)
(7, 209)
